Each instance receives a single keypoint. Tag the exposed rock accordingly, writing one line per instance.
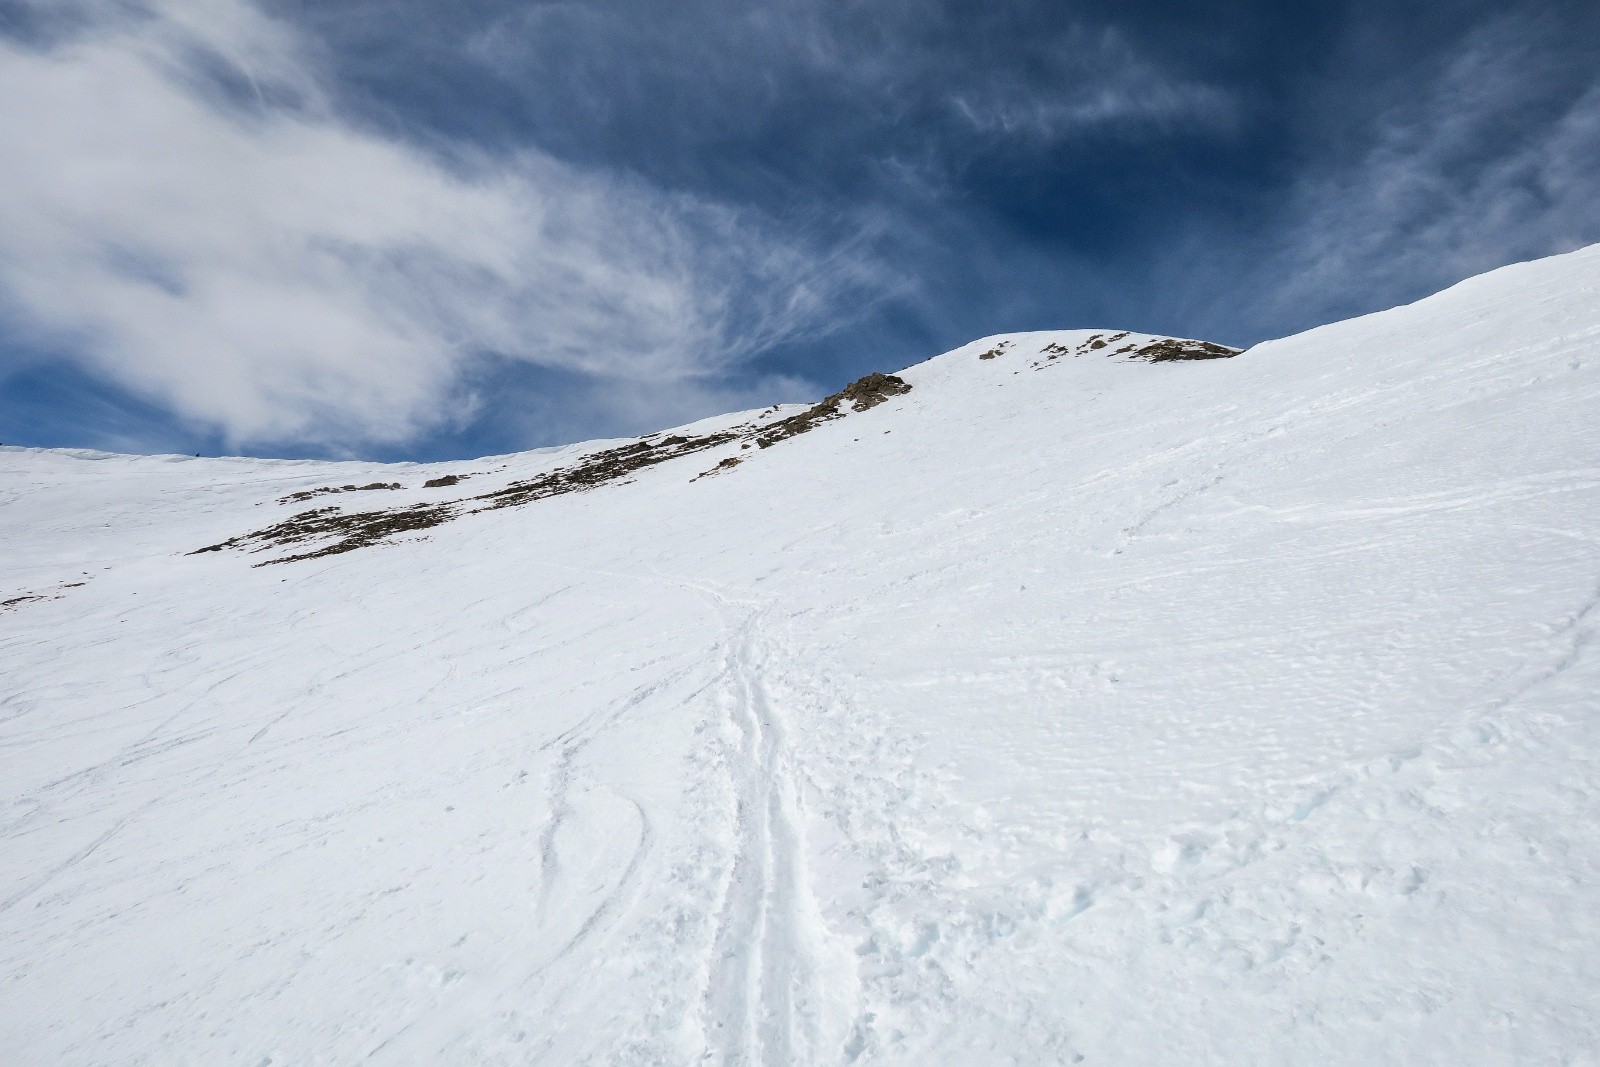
(349, 531)
(307, 494)
(861, 394)
(1170, 349)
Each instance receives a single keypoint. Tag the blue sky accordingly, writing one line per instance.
(409, 229)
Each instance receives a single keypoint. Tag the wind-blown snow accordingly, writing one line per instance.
(1096, 711)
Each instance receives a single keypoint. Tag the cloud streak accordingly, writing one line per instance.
(187, 213)
(1489, 160)
(1092, 81)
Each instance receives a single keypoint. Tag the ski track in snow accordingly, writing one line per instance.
(761, 994)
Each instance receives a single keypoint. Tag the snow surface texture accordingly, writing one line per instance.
(1073, 710)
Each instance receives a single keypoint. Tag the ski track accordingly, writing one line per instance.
(761, 981)
(761, 988)
(759, 1003)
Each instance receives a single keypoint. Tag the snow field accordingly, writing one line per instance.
(1073, 710)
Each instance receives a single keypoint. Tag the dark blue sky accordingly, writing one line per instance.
(413, 229)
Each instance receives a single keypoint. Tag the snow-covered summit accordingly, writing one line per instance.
(1058, 699)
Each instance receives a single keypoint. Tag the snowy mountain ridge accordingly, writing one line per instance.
(331, 530)
(1069, 697)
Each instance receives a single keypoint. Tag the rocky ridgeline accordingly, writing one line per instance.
(328, 531)
(334, 531)
(1160, 350)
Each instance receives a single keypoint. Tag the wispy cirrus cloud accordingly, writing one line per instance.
(1092, 81)
(185, 212)
(1491, 157)
(847, 91)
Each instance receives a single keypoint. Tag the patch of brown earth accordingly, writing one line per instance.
(727, 464)
(307, 494)
(861, 394)
(602, 468)
(352, 530)
(348, 531)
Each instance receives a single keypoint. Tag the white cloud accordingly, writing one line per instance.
(264, 266)
(1096, 81)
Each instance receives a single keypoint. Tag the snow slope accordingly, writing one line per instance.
(1059, 710)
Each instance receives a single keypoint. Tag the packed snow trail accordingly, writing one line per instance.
(765, 1000)
(760, 967)
(1065, 708)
